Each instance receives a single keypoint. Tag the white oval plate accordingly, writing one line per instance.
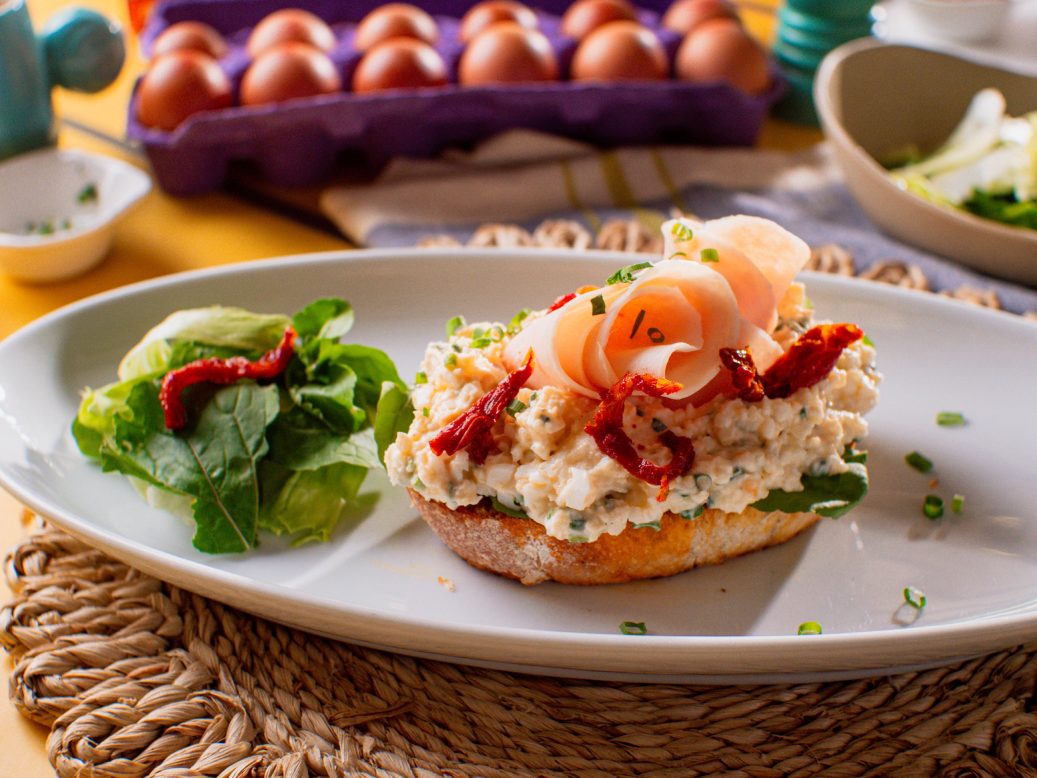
(382, 581)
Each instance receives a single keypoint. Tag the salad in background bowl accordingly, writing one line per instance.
(874, 98)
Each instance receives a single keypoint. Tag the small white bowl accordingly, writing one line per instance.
(874, 98)
(959, 20)
(58, 210)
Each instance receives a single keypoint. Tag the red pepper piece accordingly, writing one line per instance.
(809, 359)
(215, 370)
(744, 378)
(560, 301)
(471, 429)
(607, 430)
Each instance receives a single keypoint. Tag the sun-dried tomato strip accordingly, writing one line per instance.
(561, 300)
(215, 370)
(809, 359)
(471, 430)
(744, 377)
(607, 430)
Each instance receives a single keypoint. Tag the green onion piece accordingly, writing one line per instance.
(515, 407)
(676, 254)
(597, 305)
(868, 341)
(633, 628)
(425, 412)
(451, 360)
(507, 509)
(656, 335)
(626, 274)
(709, 255)
(919, 462)
(87, 194)
(689, 514)
(958, 503)
(681, 231)
(950, 419)
(420, 378)
(516, 321)
(637, 323)
(454, 324)
(481, 342)
(809, 628)
(914, 597)
(578, 539)
(496, 333)
(648, 525)
(932, 507)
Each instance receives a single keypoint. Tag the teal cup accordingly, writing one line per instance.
(79, 49)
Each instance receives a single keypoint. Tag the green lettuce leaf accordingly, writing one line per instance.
(394, 414)
(216, 462)
(307, 504)
(826, 495)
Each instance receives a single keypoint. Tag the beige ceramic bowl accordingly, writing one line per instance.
(873, 98)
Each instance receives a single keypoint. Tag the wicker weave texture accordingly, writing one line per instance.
(136, 678)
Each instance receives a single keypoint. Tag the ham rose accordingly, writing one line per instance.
(718, 289)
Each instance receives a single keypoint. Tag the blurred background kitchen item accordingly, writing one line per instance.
(79, 49)
(875, 99)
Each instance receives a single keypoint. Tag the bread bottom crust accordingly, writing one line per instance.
(521, 549)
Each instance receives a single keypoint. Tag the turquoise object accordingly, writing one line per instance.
(807, 31)
(79, 49)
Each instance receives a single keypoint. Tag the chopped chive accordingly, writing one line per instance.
(626, 274)
(515, 407)
(454, 324)
(919, 462)
(633, 628)
(496, 333)
(481, 342)
(420, 378)
(809, 628)
(676, 254)
(958, 503)
(658, 425)
(578, 539)
(577, 523)
(681, 231)
(914, 597)
(868, 341)
(648, 525)
(950, 419)
(656, 335)
(417, 483)
(597, 305)
(517, 319)
(425, 412)
(693, 514)
(637, 323)
(508, 510)
(451, 360)
(88, 194)
(932, 506)
(709, 255)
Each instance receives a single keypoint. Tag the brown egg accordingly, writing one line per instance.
(620, 51)
(721, 50)
(395, 20)
(179, 84)
(507, 53)
(584, 16)
(489, 12)
(684, 15)
(399, 63)
(290, 24)
(288, 71)
(196, 36)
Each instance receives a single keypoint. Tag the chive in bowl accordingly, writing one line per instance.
(58, 211)
(875, 98)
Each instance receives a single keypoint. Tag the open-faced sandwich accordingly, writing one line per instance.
(684, 412)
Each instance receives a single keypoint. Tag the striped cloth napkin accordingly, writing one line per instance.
(524, 178)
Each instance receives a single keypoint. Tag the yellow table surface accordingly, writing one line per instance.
(213, 229)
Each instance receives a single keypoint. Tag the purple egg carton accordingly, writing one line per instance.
(302, 142)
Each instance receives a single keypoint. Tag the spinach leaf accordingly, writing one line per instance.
(826, 495)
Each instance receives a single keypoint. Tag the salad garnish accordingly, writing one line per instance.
(919, 462)
(285, 455)
(932, 506)
(950, 419)
(809, 628)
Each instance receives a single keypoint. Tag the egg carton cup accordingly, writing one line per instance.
(302, 142)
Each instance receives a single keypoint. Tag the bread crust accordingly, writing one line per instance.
(521, 549)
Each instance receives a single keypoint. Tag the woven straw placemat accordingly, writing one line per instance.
(137, 678)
